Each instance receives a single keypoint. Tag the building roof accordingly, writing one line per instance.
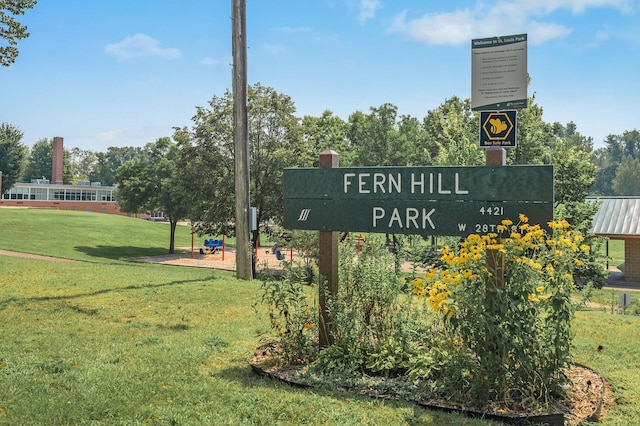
(617, 217)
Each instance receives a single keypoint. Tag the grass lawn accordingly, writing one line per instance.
(108, 342)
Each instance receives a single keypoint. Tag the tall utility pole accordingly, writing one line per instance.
(244, 250)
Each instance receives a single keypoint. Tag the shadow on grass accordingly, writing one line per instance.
(122, 252)
(26, 300)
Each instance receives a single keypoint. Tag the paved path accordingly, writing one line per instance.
(616, 281)
(34, 256)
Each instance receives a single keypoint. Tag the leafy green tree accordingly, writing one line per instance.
(574, 173)
(107, 163)
(452, 131)
(534, 138)
(375, 138)
(206, 157)
(206, 167)
(609, 158)
(39, 163)
(83, 162)
(571, 135)
(12, 155)
(326, 132)
(10, 29)
(627, 179)
(275, 142)
(149, 184)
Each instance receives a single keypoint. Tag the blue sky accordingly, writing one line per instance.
(106, 73)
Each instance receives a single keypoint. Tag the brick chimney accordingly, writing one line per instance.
(56, 160)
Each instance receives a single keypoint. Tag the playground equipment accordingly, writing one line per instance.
(211, 246)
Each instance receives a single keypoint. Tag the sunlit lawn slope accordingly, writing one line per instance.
(111, 342)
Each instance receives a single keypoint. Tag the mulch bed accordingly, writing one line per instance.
(589, 397)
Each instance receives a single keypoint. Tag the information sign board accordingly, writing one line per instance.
(499, 73)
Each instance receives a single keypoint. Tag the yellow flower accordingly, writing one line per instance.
(533, 298)
(507, 222)
(539, 289)
(523, 218)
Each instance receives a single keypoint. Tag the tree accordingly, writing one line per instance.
(206, 157)
(534, 138)
(149, 184)
(39, 164)
(611, 156)
(12, 155)
(627, 178)
(382, 138)
(326, 132)
(452, 130)
(10, 29)
(83, 162)
(107, 163)
(574, 175)
(206, 167)
(275, 142)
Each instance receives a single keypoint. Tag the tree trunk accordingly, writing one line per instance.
(172, 240)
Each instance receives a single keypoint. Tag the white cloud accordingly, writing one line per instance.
(110, 135)
(367, 9)
(500, 18)
(539, 32)
(140, 45)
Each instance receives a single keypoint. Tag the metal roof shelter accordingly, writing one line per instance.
(619, 219)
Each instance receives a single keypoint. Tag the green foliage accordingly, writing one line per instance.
(627, 179)
(293, 316)
(12, 155)
(39, 162)
(510, 336)
(150, 183)
(130, 343)
(452, 131)
(10, 29)
(374, 319)
(327, 132)
(87, 236)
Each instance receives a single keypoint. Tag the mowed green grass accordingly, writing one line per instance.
(93, 237)
(109, 342)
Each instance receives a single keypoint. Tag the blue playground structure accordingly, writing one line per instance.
(211, 246)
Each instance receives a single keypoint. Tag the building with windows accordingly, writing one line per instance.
(42, 193)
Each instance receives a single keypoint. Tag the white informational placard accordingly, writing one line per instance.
(499, 73)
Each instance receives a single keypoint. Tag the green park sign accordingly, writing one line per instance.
(451, 200)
